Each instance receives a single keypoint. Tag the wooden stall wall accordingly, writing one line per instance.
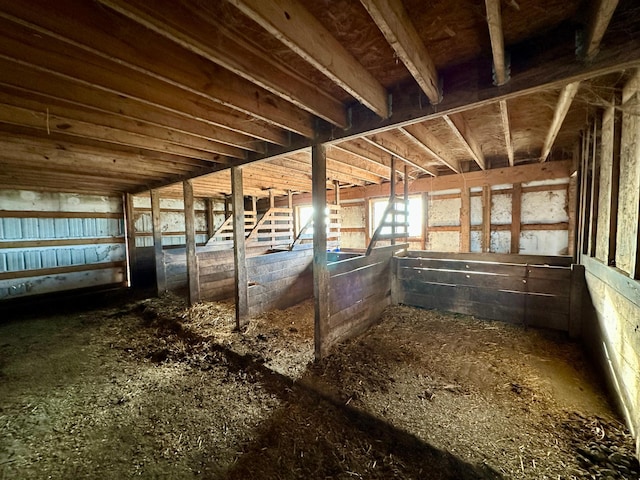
(279, 280)
(524, 210)
(531, 290)
(51, 242)
(359, 290)
(608, 246)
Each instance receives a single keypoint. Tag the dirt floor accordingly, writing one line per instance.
(156, 390)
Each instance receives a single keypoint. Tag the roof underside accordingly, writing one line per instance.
(115, 96)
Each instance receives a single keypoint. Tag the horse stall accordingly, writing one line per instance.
(532, 290)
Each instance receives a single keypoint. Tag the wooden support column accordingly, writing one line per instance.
(595, 187)
(575, 300)
(193, 276)
(209, 203)
(609, 187)
(405, 184)
(239, 252)
(158, 252)
(320, 269)
(392, 198)
(465, 220)
(425, 219)
(130, 233)
(336, 191)
(486, 218)
(516, 217)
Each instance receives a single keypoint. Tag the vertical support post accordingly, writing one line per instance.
(290, 199)
(193, 275)
(595, 189)
(210, 217)
(368, 212)
(336, 191)
(227, 210)
(130, 234)
(392, 199)
(516, 217)
(486, 219)
(239, 252)
(158, 252)
(465, 220)
(575, 300)
(425, 220)
(320, 269)
(405, 184)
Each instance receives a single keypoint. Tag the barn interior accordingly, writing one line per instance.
(476, 158)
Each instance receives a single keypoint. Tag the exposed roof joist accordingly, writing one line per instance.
(601, 13)
(506, 128)
(567, 95)
(386, 141)
(394, 22)
(462, 131)
(494, 21)
(291, 23)
(213, 42)
(420, 136)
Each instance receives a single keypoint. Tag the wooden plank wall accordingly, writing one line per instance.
(530, 290)
(279, 280)
(359, 290)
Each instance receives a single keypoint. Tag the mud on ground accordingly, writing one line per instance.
(155, 390)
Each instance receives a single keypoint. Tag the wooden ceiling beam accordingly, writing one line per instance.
(291, 23)
(115, 123)
(420, 136)
(55, 91)
(18, 137)
(299, 164)
(161, 59)
(506, 128)
(49, 121)
(565, 99)
(215, 43)
(339, 169)
(494, 22)
(48, 57)
(541, 70)
(399, 150)
(353, 161)
(396, 25)
(166, 62)
(83, 160)
(368, 152)
(462, 131)
(601, 13)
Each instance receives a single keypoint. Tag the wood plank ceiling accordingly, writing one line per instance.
(114, 96)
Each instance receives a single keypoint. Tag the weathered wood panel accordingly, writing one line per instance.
(279, 280)
(359, 290)
(533, 294)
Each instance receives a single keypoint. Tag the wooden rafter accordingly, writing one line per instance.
(395, 24)
(53, 91)
(185, 71)
(96, 81)
(50, 121)
(567, 95)
(494, 21)
(213, 42)
(355, 161)
(420, 136)
(401, 151)
(506, 128)
(601, 13)
(296, 27)
(461, 129)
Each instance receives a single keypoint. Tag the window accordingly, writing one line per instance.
(415, 215)
(304, 215)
